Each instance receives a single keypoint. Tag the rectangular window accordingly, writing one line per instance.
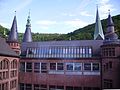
(52, 87)
(43, 67)
(59, 66)
(69, 88)
(52, 66)
(36, 87)
(87, 66)
(77, 88)
(29, 67)
(22, 66)
(108, 83)
(22, 86)
(83, 51)
(77, 66)
(43, 87)
(37, 67)
(110, 64)
(87, 88)
(28, 87)
(69, 66)
(96, 67)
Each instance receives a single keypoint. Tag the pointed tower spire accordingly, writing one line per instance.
(27, 35)
(98, 34)
(13, 35)
(110, 34)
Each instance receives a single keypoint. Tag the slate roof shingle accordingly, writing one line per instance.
(5, 49)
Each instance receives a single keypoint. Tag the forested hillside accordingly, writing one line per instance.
(86, 32)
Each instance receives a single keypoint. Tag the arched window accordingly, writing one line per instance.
(14, 64)
(5, 64)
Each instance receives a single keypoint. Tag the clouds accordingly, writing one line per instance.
(45, 24)
(77, 23)
(85, 13)
(104, 6)
(56, 25)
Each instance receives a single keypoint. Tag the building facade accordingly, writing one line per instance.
(9, 62)
(71, 65)
(61, 65)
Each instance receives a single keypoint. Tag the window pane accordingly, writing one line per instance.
(28, 87)
(95, 66)
(22, 66)
(43, 67)
(36, 67)
(36, 87)
(28, 67)
(59, 66)
(69, 66)
(69, 88)
(87, 66)
(52, 66)
(77, 66)
(21, 86)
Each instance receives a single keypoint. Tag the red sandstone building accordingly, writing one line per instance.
(64, 65)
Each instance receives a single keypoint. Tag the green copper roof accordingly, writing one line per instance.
(98, 34)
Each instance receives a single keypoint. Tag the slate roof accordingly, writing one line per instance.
(95, 44)
(13, 35)
(110, 21)
(27, 35)
(5, 49)
(110, 35)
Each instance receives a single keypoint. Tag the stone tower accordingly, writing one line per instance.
(110, 57)
(13, 37)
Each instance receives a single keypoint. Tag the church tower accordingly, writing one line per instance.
(98, 34)
(13, 37)
(27, 35)
(110, 57)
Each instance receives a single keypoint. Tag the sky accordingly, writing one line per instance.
(55, 16)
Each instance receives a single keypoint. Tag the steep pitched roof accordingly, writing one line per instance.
(13, 35)
(110, 21)
(98, 34)
(110, 35)
(27, 35)
(5, 49)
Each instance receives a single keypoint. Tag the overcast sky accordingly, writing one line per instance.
(55, 16)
